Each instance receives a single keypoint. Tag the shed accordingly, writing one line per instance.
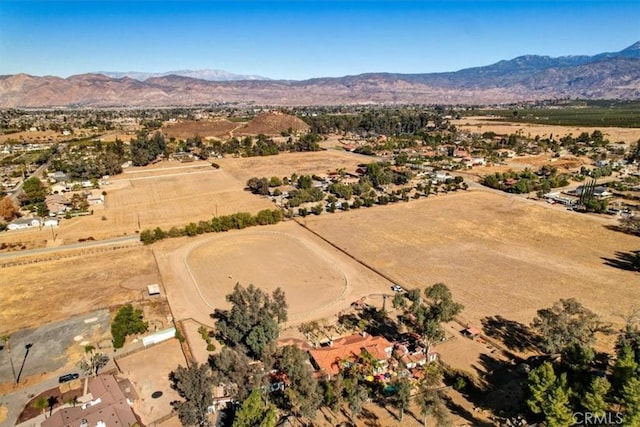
(154, 289)
(471, 332)
(158, 337)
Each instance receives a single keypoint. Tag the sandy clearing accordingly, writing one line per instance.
(186, 302)
(498, 254)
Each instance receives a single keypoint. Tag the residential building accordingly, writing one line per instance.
(107, 406)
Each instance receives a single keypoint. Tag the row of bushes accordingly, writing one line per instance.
(236, 221)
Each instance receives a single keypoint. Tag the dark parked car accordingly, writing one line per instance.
(68, 377)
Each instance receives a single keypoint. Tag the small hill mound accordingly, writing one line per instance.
(217, 128)
(272, 124)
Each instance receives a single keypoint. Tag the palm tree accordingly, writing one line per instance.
(42, 403)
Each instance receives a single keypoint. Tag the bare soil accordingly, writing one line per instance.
(272, 124)
(148, 371)
(216, 128)
(56, 290)
(485, 124)
(309, 271)
(499, 254)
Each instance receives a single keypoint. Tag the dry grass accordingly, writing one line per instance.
(285, 164)
(268, 260)
(499, 254)
(216, 128)
(56, 290)
(165, 195)
(485, 124)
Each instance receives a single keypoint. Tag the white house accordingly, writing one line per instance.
(23, 223)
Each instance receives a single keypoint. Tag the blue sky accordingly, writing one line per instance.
(302, 39)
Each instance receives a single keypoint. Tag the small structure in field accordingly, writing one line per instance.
(153, 289)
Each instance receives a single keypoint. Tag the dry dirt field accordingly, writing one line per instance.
(217, 128)
(267, 259)
(164, 195)
(34, 137)
(485, 124)
(498, 254)
(196, 272)
(148, 371)
(56, 290)
(319, 162)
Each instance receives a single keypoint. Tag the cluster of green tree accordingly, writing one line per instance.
(584, 113)
(265, 146)
(384, 121)
(80, 166)
(381, 173)
(594, 173)
(525, 181)
(128, 321)
(589, 201)
(252, 322)
(573, 383)
(425, 319)
(245, 365)
(145, 148)
(33, 192)
(262, 186)
(236, 221)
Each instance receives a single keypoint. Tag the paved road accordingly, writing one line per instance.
(124, 240)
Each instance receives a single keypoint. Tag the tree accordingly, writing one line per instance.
(631, 402)
(430, 404)
(42, 403)
(232, 369)
(399, 302)
(302, 393)
(255, 412)
(93, 361)
(128, 321)
(594, 399)
(403, 395)
(33, 191)
(549, 395)
(8, 211)
(356, 396)
(443, 309)
(252, 321)
(565, 323)
(194, 385)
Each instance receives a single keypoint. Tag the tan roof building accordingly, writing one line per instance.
(108, 408)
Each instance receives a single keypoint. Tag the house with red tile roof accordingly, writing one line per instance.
(328, 361)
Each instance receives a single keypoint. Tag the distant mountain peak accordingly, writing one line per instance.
(633, 47)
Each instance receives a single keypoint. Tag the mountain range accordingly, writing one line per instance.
(204, 74)
(612, 75)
